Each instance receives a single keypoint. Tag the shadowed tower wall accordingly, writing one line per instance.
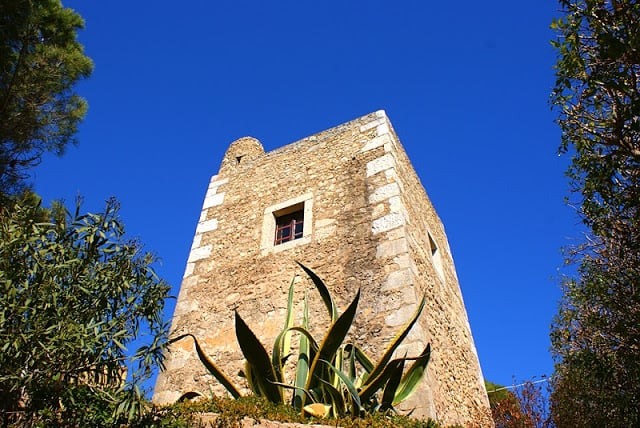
(367, 223)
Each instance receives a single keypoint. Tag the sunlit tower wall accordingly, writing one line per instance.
(347, 203)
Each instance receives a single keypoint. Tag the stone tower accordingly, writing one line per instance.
(347, 203)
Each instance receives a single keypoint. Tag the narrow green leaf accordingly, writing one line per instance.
(339, 363)
(351, 388)
(282, 344)
(210, 366)
(361, 357)
(349, 351)
(258, 358)
(392, 384)
(323, 290)
(313, 345)
(289, 318)
(333, 339)
(338, 406)
(119, 344)
(412, 378)
(375, 384)
(304, 355)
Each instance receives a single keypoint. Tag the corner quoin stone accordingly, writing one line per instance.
(368, 225)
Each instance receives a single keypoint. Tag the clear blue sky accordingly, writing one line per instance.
(465, 84)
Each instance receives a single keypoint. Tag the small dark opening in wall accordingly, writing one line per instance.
(433, 246)
(289, 224)
(238, 159)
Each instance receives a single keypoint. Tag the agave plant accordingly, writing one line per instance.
(332, 378)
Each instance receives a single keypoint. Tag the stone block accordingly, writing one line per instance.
(384, 193)
(380, 164)
(199, 253)
(213, 200)
(392, 248)
(388, 222)
(207, 226)
(398, 279)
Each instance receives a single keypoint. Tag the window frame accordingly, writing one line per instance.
(289, 220)
(302, 203)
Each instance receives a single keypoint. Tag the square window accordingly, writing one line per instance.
(289, 224)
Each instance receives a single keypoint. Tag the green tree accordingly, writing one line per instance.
(596, 334)
(40, 62)
(74, 295)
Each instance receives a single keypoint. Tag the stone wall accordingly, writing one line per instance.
(368, 225)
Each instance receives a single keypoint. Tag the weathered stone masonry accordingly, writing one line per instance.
(368, 224)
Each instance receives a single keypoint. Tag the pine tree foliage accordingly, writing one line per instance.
(40, 62)
(596, 334)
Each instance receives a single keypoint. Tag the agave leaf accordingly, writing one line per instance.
(313, 345)
(361, 357)
(323, 290)
(210, 366)
(307, 346)
(282, 344)
(348, 350)
(277, 359)
(304, 352)
(412, 378)
(397, 340)
(262, 370)
(392, 384)
(351, 388)
(338, 405)
(373, 385)
(339, 363)
(248, 375)
(306, 393)
(286, 346)
(333, 339)
(287, 386)
(257, 382)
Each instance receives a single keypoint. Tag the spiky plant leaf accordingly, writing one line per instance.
(360, 356)
(334, 398)
(282, 345)
(351, 389)
(289, 318)
(373, 385)
(392, 384)
(261, 368)
(350, 354)
(323, 290)
(333, 339)
(210, 366)
(304, 359)
(414, 375)
(339, 363)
